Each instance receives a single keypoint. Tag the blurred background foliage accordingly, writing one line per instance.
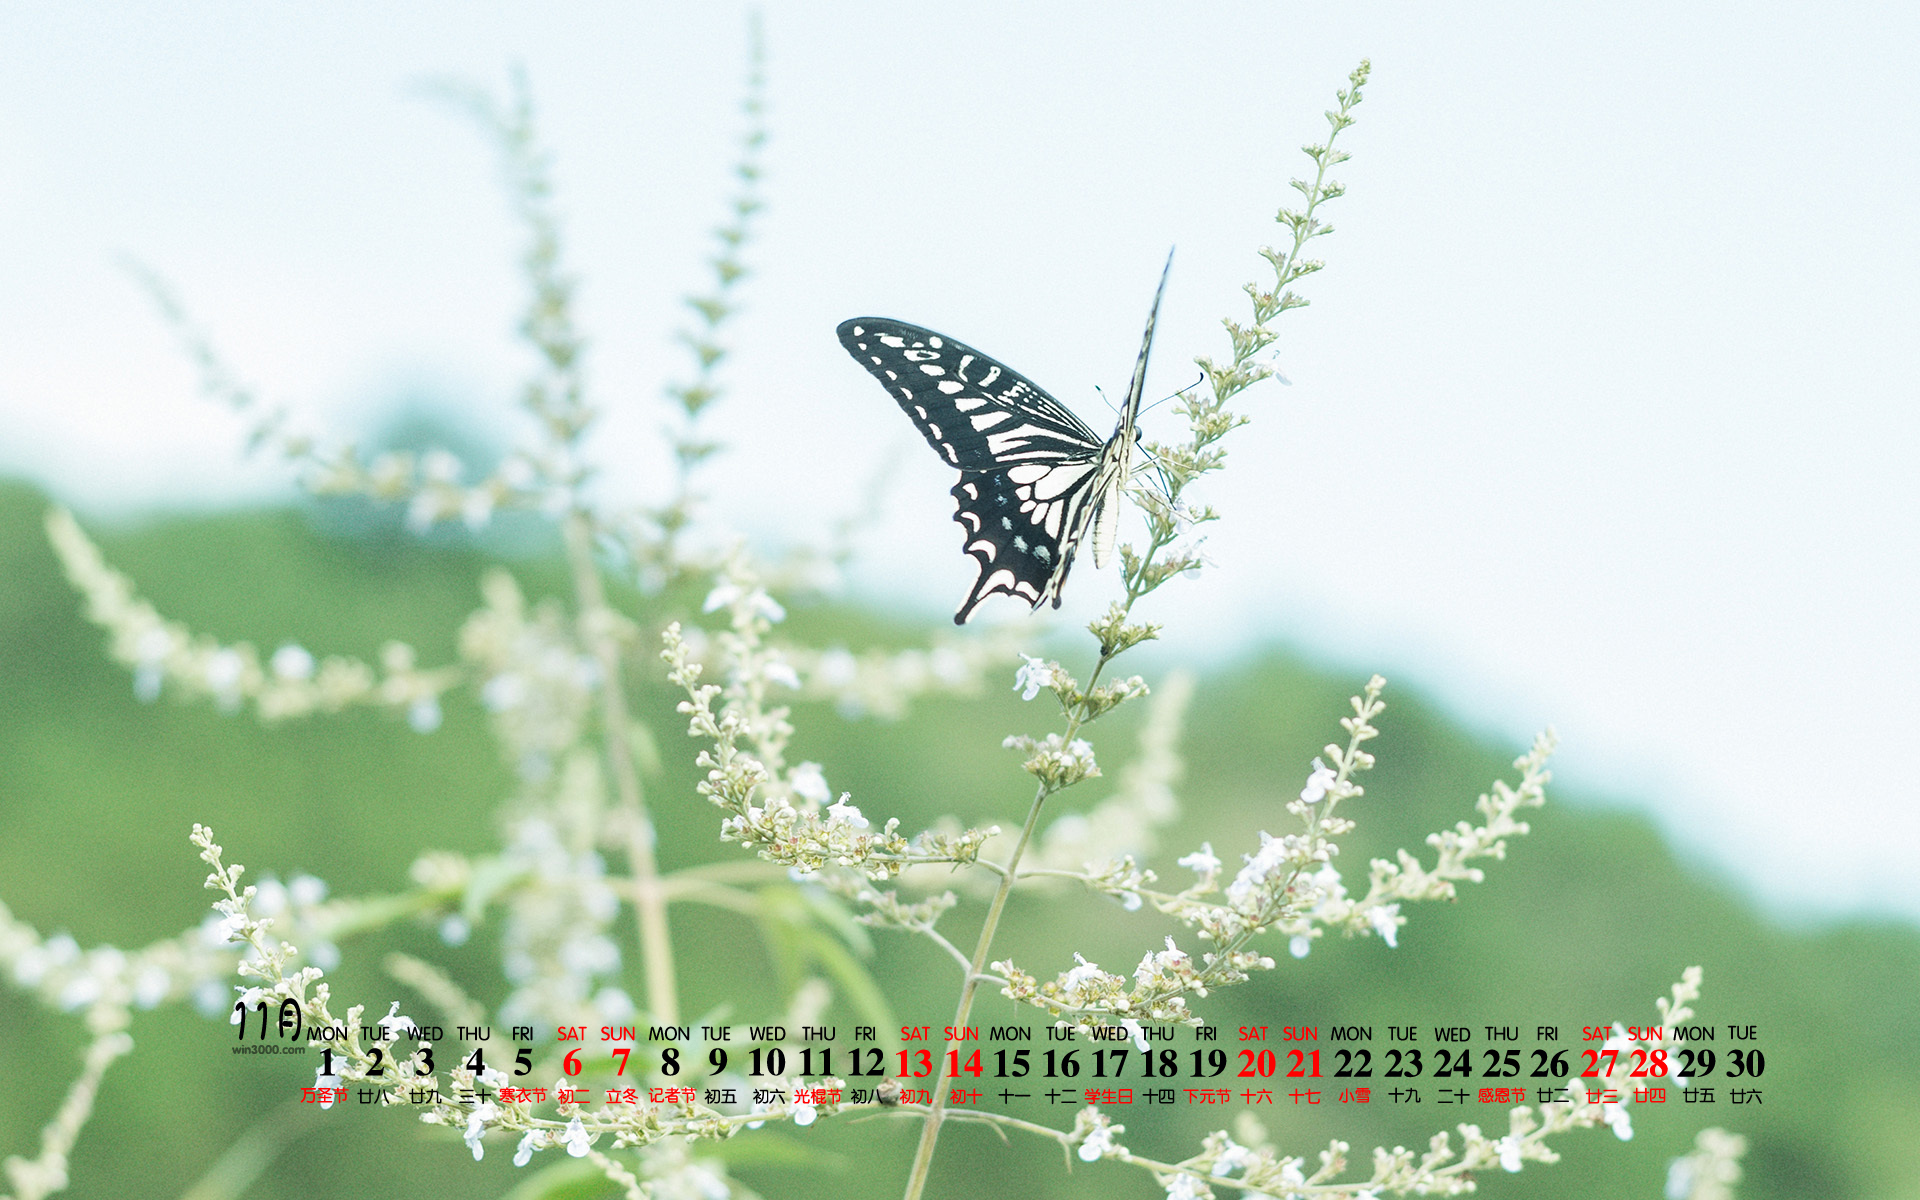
(1591, 917)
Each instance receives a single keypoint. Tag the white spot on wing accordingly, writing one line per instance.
(1000, 581)
(1060, 480)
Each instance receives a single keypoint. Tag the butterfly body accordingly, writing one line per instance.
(1034, 479)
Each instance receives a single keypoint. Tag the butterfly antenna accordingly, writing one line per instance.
(1197, 381)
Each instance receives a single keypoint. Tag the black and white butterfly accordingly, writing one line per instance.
(1034, 480)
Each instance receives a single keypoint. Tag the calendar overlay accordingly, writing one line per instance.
(1019, 1065)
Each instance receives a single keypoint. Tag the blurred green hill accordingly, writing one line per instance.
(1589, 919)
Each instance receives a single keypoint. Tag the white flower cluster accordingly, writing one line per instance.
(427, 484)
(538, 683)
(557, 946)
(780, 811)
(1056, 760)
(1710, 1172)
(884, 683)
(1288, 885)
(1098, 1136)
(165, 656)
(1091, 997)
(1122, 825)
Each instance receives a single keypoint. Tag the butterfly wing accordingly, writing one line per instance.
(1033, 478)
(1027, 464)
(1116, 461)
(976, 413)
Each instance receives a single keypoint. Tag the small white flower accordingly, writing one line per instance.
(1385, 919)
(1317, 784)
(1184, 1187)
(1246, 886)
(1203, 861)
(423, 715)
(1130, 901)
(1299, 945)
(325, 1081)
(766, 606)
(1680, 1174)
(1098, 1142)
(781, 672)
(846, 814)
(477, 1127)
(722, 596)
(1234, 1158)
(1509, 1148)
(1035, 674)
(523, 1153)
(147, 680)
(809, 784)
(307, 890)
(1081, 975)
(292, 662)
(804, 1114)
(1135, 1032)
(455, 930)
(1617, 1118)
(578, 1143)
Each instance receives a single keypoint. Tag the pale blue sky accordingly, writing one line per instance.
(1598, 416)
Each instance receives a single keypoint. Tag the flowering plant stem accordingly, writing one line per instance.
(1143, 573)
(598, 625)
(930, 1129)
